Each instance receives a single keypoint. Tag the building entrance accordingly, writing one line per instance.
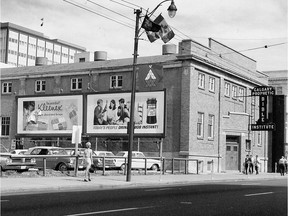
(232, 156)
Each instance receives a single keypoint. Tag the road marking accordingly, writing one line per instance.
(186, 203)
(251, 184)
(109, 211)
(4, 200)
(159, 189)
(259, 194)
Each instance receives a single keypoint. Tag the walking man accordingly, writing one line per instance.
(282, 162)
(256, 164)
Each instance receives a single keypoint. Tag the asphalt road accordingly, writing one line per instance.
(259, 197)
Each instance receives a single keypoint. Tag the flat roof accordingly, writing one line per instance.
(8, 25)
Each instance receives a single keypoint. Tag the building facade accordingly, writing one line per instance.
(278, 112)
(208, 105)
(20, 47)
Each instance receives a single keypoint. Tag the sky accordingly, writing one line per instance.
(240, 24)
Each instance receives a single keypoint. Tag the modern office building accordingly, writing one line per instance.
(278, 111)
(20, 46)
(194, 104)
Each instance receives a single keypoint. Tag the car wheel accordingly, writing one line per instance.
(62, 167)
(154, 167)
(122, 167)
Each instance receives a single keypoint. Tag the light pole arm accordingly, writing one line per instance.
(151, 13)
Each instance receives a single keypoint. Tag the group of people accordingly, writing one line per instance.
(251, 163)
(111, 115)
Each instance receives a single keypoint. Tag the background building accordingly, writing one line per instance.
(20, 47)
(278, 140)
(208, 105)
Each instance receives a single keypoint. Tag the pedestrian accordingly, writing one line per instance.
(281, 163)
(88, 160)
(286, 165)
(247, 161)
(251, 165)
(256, 164)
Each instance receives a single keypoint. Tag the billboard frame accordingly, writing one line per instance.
(125, 135)
(37, 135)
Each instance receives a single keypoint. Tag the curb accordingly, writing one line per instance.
(125, 185)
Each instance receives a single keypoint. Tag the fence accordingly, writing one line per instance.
(163, 161)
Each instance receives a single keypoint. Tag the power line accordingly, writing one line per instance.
(122, 4)
(110, 10)
(262, 47)
(87, 9)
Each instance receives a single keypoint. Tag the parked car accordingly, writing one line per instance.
(56, 163)
(138, 161)
(109, 162)
(19, 164)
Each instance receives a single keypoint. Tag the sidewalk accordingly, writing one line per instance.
(30, 185)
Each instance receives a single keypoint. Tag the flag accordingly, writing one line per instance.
(152, 36)
(166, 33)
(149, 25)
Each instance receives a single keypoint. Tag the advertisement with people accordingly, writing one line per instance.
(49, 115)
(109, 113)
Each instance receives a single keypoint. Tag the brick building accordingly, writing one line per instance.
(207, 107)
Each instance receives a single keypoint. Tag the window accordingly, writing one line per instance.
(234, 92)
(212, 84)
(76, 84)
(201, 81)
(200, 128)
(241, 94)
(40, 85)
(259, 139)
(211, 127)
(81, 59)
(279, 90)
(5, 126)
(116, 81)
(227, 89)
(248, 145)
(6, 87)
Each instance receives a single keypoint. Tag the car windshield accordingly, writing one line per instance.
(120, 154)
(109, 154)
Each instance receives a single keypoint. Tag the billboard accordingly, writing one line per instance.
(49, 114)
(109, 113)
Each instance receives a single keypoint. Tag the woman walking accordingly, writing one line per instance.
(88, 160)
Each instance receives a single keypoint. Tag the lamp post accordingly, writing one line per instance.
(171, 12)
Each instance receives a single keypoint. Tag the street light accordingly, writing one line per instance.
(171, 12)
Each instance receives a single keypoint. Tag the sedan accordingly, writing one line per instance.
(109, 160)
(138, 161)
(56, 163)
(18, 164)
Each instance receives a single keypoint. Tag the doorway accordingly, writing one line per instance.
(232, 153)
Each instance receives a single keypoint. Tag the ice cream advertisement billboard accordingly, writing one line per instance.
(109, 113)
(49, 114)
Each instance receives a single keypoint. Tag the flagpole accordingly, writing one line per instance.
(171, 11)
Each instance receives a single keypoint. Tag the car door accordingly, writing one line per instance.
(39, 161)
(138, 163)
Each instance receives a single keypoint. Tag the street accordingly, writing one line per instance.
(251, 197)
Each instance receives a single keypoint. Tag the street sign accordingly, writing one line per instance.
(263, 91)
(263, 127)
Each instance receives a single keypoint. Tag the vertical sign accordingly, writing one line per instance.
(76, 134)
(262, 109)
